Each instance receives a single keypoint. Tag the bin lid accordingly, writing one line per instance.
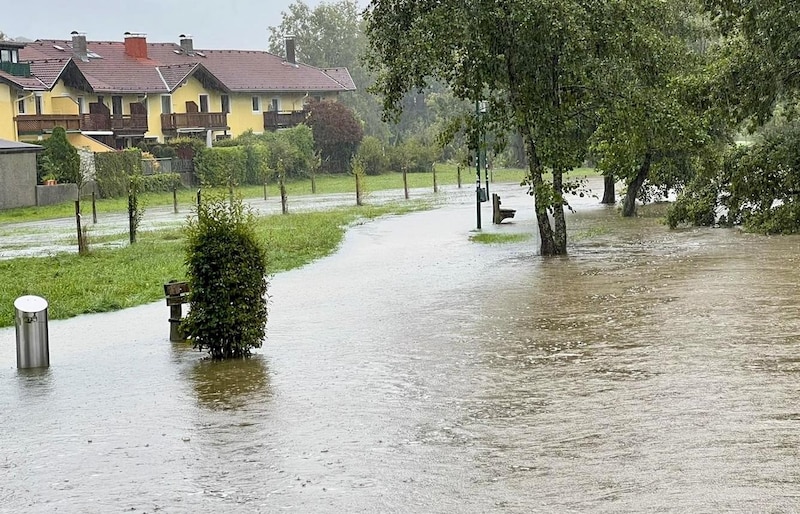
(30, 303)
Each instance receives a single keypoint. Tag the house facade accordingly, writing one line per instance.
(114, 94)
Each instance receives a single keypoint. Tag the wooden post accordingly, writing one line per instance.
(458, 175)
(198, 197)
(405, 180)
(177, 294)
(175, 199)
(81, 240)
(265, 189)
(358, 189)
(284, 204)
(435, 184)
(94, 207)
(313, 183)
(132, 217)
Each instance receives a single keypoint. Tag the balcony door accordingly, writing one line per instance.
(203, 103)
(116, 106)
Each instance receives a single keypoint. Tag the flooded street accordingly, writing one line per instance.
(416, 371)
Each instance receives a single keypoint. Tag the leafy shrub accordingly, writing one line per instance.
(337, 134)
(371, 154)
(227, 276)
(162, 182)
(114, 169)
(218, 167)
(60, 159)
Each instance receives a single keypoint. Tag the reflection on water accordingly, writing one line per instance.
(230, 384)
(414, 371)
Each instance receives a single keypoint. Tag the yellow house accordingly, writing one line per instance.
(118, 93)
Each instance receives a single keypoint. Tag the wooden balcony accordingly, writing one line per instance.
(44, 123)
(274, 120)
(97, 122)
(194, 122)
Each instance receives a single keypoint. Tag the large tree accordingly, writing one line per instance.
(332, 35)
(654, 133)
(540, 65)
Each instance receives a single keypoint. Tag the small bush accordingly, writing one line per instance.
(227, 275)
(371, 154)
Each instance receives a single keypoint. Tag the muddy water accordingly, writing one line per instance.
(415, 371)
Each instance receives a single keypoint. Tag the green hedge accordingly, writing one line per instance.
(113, 169)
(218, 167)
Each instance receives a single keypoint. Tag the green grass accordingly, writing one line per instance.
(113, 279)
(490, 239)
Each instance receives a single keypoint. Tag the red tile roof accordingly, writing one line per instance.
(109, 69)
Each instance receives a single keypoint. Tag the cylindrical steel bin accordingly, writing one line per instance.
(33, 346)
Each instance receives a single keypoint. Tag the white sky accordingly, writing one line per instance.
(225, 25)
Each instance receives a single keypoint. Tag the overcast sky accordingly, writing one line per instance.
(225, 25)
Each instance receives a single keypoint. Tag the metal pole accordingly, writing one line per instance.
(478, 171)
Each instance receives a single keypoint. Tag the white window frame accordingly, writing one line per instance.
(256, 101)
(275, 105)
(21, 104)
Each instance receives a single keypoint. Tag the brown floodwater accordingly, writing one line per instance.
(416, 371)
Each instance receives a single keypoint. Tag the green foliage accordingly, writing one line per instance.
(227, 275)
(60, 159)
(218, 167)
(413, 154)
(372, 155)
(114, 169)
(160, 182)
(337, 134)
(758, 186)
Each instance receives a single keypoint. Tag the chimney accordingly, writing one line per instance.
(79, 46)
(187, 45)
(136, 45)
(290, 53)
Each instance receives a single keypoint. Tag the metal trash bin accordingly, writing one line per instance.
(33, 346)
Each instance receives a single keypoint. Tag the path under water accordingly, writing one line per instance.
(416, 371)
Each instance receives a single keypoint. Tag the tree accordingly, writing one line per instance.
(60, 158)
(337, 134)
(227, 275)
(535, 62)
(332, 35)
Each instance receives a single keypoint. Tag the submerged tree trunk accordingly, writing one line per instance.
(560, 234)
(609, 193)
(548, 246)
(635, 185)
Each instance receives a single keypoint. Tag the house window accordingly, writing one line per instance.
(166, 104)
(5, 55)
(276, 105)
(225, 103)
(39, 106)
(20, 104)
(116, 105)
(81, 105)
(256, 103)
(203, 103)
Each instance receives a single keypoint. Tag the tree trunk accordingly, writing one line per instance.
(635, 185)
(560, 234)
(609, 193)
(548, 246)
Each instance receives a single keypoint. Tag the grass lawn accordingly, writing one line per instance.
(113, 279)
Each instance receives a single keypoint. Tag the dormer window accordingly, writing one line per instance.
(9, 55)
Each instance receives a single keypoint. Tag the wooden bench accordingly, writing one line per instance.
(498, 214)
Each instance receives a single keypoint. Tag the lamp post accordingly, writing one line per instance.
(483, 148)
(478, 165)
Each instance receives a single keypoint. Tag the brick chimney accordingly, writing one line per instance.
(136, 45)
(79, 49)
(187, 45)
(290, 49)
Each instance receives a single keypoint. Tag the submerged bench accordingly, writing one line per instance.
(498, 214)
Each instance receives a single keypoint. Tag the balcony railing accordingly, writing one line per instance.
(274, 120)
(98, 122)
(18, 69)
(41, 123)
(192, 121)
